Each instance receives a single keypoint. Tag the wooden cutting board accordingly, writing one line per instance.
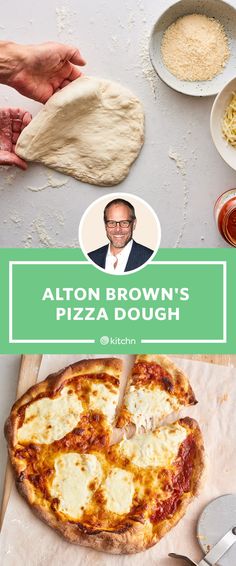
(28, 374)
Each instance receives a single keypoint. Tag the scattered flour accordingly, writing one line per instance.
(65, 18)
(147, 68)
(131, 20)
(16, 218)
(10, 178)
(181, 168)
(134, 18)
(59, 217)
(37, 189)
(180, 163)
(4, 168)
(27, 241)
(38, 227)
(41, 231)
(53, 182)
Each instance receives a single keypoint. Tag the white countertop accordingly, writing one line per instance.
(113, 37)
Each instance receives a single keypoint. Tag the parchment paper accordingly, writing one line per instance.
(26, 541)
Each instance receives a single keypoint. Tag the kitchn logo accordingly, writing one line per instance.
(115, 341)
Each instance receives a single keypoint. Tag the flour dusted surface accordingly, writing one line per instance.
(195, 48)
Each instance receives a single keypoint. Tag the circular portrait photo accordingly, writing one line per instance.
(119, 233)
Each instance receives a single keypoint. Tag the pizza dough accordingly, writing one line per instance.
(93, 129)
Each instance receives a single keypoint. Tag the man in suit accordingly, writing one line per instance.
(123, 253)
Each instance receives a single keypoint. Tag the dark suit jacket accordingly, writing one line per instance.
(138, 256)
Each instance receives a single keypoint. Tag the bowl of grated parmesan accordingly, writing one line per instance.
(223, 123)
(193, 46)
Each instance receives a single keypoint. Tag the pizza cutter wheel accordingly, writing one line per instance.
(216, 530)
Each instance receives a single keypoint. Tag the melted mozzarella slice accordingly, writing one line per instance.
(159, 448)
(76, 478)
(118, 489)
(104, 399)
(147, 404)
(47, 420)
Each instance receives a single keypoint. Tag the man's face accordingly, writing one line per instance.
(119, 236)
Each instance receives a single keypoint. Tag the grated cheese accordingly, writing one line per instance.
(229, 122)
(195, 48)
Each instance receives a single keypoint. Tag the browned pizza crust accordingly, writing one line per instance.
(174, 381)
(132, 535)
(131, 538)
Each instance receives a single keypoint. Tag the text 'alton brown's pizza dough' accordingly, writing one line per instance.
(93, 129)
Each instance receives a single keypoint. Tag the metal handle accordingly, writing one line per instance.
(219, 548)
(215, 553)
(181, 557)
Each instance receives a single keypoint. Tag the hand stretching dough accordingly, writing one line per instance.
(93, 129)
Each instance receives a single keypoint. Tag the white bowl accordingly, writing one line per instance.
(225, 14)
(227, 151)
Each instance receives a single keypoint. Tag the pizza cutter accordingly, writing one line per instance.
(216, 529)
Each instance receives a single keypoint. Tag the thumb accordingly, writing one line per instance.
(75, 57)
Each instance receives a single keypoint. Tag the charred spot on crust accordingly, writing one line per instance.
(187, 421)
(54, 503)
(167, 383)
(21, 477)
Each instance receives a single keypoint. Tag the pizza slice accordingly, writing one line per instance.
(155, 389)
(167, 466)
(74, 407)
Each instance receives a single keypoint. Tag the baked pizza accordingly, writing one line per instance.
(155, 389)
(119, 498)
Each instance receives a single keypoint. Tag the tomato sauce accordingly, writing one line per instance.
(145, 373)
(181, 481)
(225, 215)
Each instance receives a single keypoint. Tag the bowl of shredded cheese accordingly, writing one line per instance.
(223, 123)
(193, 46)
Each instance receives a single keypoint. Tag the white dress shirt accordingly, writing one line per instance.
(119, 260)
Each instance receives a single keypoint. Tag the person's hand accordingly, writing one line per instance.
(12, 122)
(40, 70)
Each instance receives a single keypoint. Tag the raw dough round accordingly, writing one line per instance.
(92, 129)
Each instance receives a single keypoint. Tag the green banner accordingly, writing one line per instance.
(182, 302)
